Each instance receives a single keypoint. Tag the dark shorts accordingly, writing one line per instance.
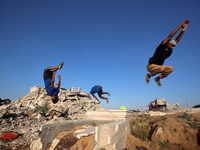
(47, 74)
(100, 92)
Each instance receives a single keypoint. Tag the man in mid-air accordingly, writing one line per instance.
(98, 89)
(163, 51)
(49, 79)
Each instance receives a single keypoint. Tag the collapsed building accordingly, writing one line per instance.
(157, 104)
(73, 103)
(161, 104)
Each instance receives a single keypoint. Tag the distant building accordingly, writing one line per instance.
(158, 104)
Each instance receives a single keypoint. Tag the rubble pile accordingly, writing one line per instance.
(21, 116)
(72, 103)
(28, 128)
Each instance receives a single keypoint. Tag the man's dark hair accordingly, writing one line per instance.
(55, 100)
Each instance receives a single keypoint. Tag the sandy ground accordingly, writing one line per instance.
(69, 141)
(177, 135)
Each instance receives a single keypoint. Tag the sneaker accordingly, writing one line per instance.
(107, 99)
(158, 82)
(60, 65)
(108, 93)
(147, 78)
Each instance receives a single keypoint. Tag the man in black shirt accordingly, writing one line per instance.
(163, 51)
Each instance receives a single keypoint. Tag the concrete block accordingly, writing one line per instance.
(34, 88)
(112, 115)
(111, 136)
(50, 131)
(152, 113)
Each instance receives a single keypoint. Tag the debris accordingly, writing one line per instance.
(36, 144)
(86, 132)
(157, 104)
(4, 109)
(161, 104)
(54, 144)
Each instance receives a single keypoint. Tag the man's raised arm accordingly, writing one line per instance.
(175, 31)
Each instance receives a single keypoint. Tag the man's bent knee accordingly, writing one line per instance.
(168, 68)
(172, 69)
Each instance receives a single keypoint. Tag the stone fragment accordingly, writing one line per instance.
(36, 144)
(86, 132)
(54, 144)
(4, 109)
(159, 130)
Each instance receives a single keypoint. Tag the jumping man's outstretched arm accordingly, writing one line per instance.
(184, 27)
(59, 77)
(175, 31)
(96, 98)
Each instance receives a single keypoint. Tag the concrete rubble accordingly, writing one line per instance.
(162, 105)
(19, 116)
(75, 107)
(86, 132)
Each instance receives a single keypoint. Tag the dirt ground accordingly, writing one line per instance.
(69, 141)
(177, 133)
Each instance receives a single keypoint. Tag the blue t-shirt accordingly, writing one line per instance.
(51, 90)
(95, 89)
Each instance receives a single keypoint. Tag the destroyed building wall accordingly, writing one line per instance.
(73, 102)
(161, 104)
(157, 104)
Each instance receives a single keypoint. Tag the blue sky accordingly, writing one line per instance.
(105, 42)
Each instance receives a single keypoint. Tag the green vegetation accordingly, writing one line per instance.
(134, 121)
(193, 125)
(186, 116)
(165, 144)
(163, 118)
(140, 131)
(42, 109)
(185, 131)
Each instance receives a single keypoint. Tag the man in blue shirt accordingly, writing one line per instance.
(98, 89)
(49, 79)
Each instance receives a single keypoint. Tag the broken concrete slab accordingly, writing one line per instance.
(157, 113)
(86, 132)
(50, 131)
(111, 136)
(113, 115)
(54, 144)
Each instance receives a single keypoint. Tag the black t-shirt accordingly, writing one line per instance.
(162, 52)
